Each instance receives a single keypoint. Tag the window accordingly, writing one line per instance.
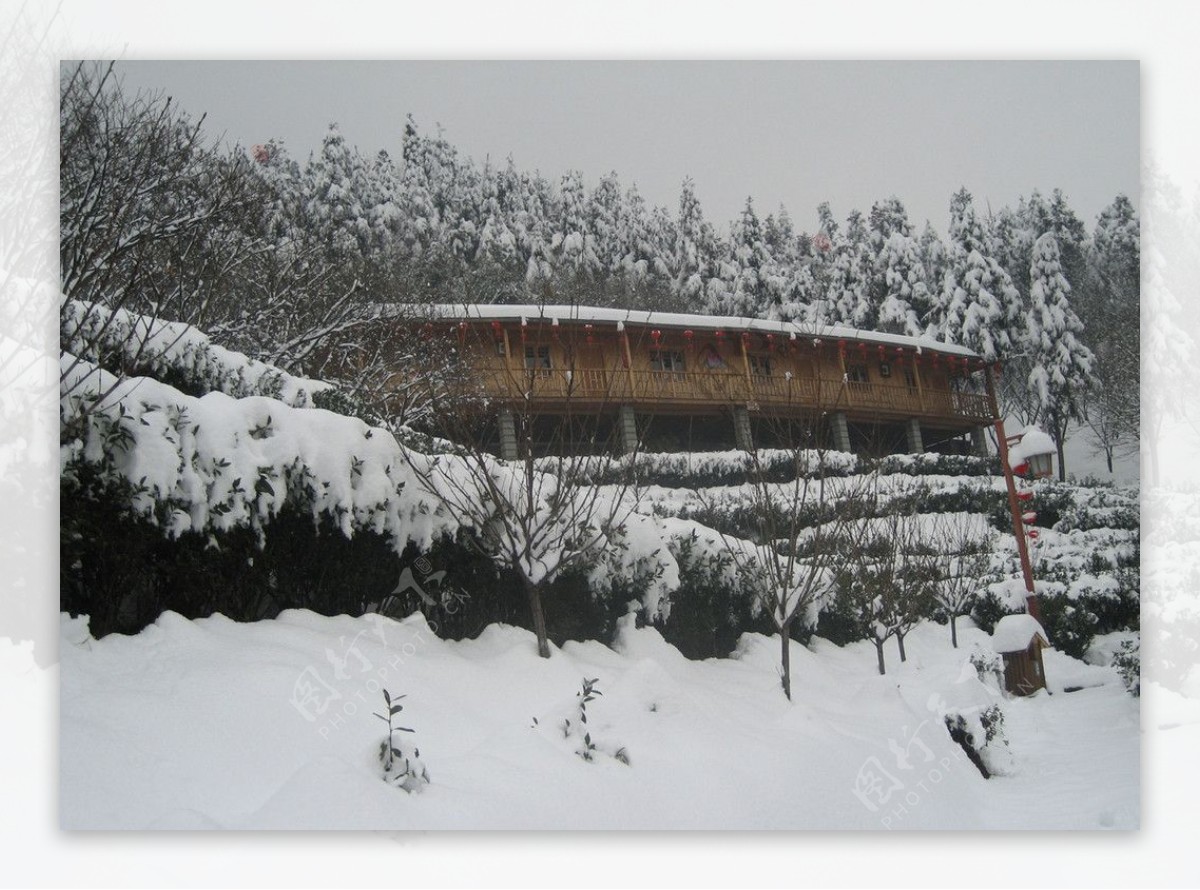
(760, 365)
(857, 373)
(885, 369)
(537, 358)
(665, 360)
(500, 348)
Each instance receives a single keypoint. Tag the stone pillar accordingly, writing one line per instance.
(508, 435)
(912, 436)
(841, 431)
(741, 428)
(627, 422)
(979, 444)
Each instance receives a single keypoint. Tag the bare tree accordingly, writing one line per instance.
(956, 560)
(880, 589)
(537, 524)
(791, 565)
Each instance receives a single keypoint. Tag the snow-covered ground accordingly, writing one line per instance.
(215, 724)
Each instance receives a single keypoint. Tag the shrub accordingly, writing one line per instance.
(1128, 662)
(401, 767)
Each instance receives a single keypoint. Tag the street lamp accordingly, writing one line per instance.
(1030, 452)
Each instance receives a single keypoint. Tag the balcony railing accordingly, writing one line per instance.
(618, 385)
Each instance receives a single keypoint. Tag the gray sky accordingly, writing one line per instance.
(798, 133)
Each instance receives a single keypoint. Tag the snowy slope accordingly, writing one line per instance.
(199, 724)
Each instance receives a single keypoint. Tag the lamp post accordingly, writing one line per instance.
(1030, 452)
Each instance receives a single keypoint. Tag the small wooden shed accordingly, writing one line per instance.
(1019, 640)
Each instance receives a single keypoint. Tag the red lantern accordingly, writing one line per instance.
(746, 338)
(720, 335)
(882, 353)
(497, 330)
(770, 342)
(688, 336)
(1033, 533)
(462, 331)
(589, 329)
(1029, 518)
(656, 336)
(1025, 495)
(1021, 469)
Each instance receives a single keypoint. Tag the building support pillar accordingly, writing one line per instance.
(912, 436)
(508, 435)
(979, 446)
(627, 422)
(741, 428)
(841, 431)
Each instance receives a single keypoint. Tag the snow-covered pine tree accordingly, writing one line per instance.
(572, 245)
(747, 269)
(497, 242)
(933, 258)
(1061, 366)
(335, 196)
(848, 288)
(978, 305)
(898, 292)
(694, 255)
(605, 223)
(1111, 318)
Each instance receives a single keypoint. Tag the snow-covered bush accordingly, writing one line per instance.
(709, 610)
(124, 343)
(1128, 662)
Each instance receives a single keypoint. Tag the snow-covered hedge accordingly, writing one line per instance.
(214, 462)
(180, 354)
(732, 468)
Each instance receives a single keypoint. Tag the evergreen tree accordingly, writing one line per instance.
(747, 270)
(848, 274)
(1112, 320)
(335, 197)
(1061, 366)
(694, 254)
(898, 293)
(978, 306)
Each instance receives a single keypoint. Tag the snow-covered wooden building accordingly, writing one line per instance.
(671, 381)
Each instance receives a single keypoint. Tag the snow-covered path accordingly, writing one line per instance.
(204, 724)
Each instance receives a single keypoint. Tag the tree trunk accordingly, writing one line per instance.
(1108, 456)
(539, 618)
(879, 654)
(953, 631)
(1062, 463)
(900, 646)
(785, 656)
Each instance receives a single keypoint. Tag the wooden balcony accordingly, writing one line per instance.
(705, 391)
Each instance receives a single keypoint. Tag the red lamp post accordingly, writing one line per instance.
(1033, 457)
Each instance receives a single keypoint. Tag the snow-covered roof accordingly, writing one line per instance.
(1014, 633)
(1033, 442)
(595, 314)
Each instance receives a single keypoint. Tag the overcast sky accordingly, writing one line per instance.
(796, 133)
